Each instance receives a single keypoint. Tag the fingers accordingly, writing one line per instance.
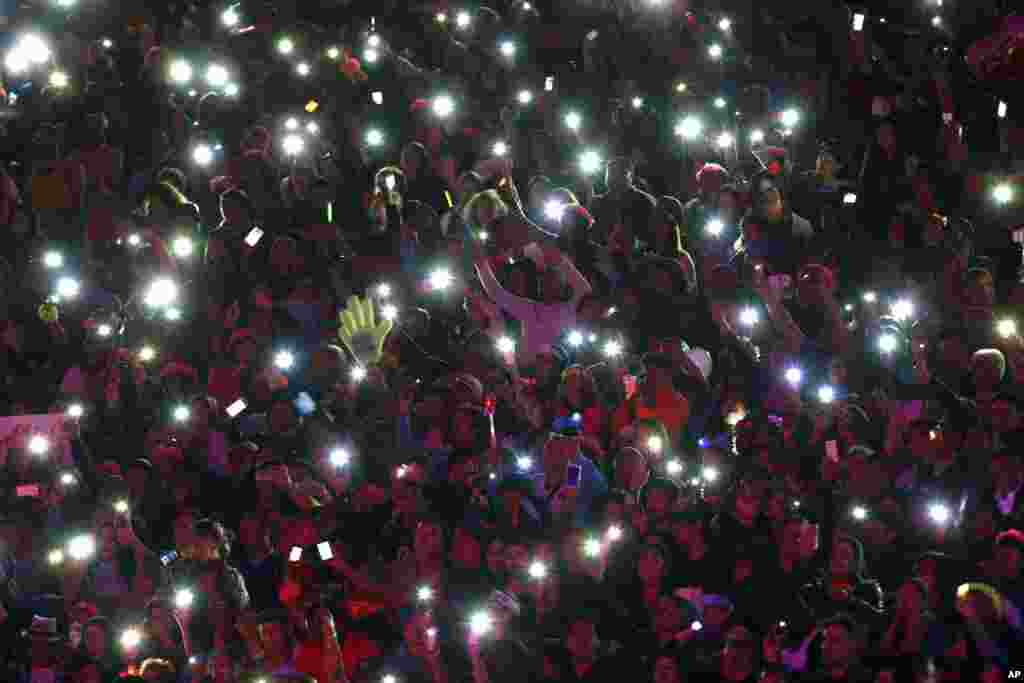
(368, 317)
(348, 324)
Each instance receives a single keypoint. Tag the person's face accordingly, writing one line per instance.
(272, 637)
(981, 291)
(517, 557)
(666, 670)
(234, 213)
(410, 162)
(668, 616)
(813, 288)
(580, 639)
(843, 559)
(771, 203)
(137, 477)
(496, 557)
(748, 501)
(650, 566)
(837, 645)
(631, 472)
(417, 635)
(618, 177)
(1007, 561)
(429, 541)
(465, 550)
(985, 371)
(95, 639)
(486, 213)
(558, 453)
(466, 188)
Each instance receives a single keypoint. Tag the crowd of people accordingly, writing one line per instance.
(374, 343)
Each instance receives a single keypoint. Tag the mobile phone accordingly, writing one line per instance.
(832, 451)
(27, 491)
(572, 477)
(1018, 235)
(254, 237)
(324, 548)
(549, 83)
(296, 554)
(629, 384)
(168, 557)
(235, 408)
(858, 22)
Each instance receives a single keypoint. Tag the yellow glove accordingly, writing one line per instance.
(360, 333)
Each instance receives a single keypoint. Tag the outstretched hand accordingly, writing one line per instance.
(360, 332)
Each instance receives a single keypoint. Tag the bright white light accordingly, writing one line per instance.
(183, 598)
(16, 62)
(443, 106)
(689, 128)
(202, 155)
(790, 118)
(34, 48)
(724, 140)
(655, 444)
(424, 594)
(591, 547)
(674, 467)
(59, 79)
(81, 547)
(715, 51)
(340, 457)
(749, 316)
(756, 136)
(553, 210)
(162, 292)
(312, 128)
(680, 87)
(538, 570)
(121, 507)
(53, 259)
(383, 290)
(67, 479)
(370, 56)
(1003, 193)
(794, 376)
(480, 623)
(104, 330)
(286, 46)
(888, 343)
(107, 43)
(55, 556)
(870, 297)
(182, 247)
(1006, 328)
(181, 414)
(613, 348)
(181, 71)
(719, 103)
(462, 19)
(614, 533)
(592, 338)
(389, 312)
(826, 394)
(858, 22)
(293, 145)
(500, 149)
(230, 17)
(131, 638)
(76, 410)
(358, 373)
(714, 227)
(441, 17)
(374, 138)
(134, 239)
(936, 21)
(193, 92)
(506, 345)
(231, 90)
(388, 678)
(724, 24)
(575, 339)
(173, 314)
(696, 626)
(938, 513)
(147, 353)
(291, 123)
(508, 49)
(638, 102)
(373, 40)
(38, 445)
(573, 121)
(1001, 109)
(859, 513)
(710, 474)
(849, 198)
(902, 309)
(304, 69)
(284, 360)
(524, 462)
(333, 53)
(441, 278)
(590, 162)
(217, 75)
(525, 97)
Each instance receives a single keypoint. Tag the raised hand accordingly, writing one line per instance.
(360, 332)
